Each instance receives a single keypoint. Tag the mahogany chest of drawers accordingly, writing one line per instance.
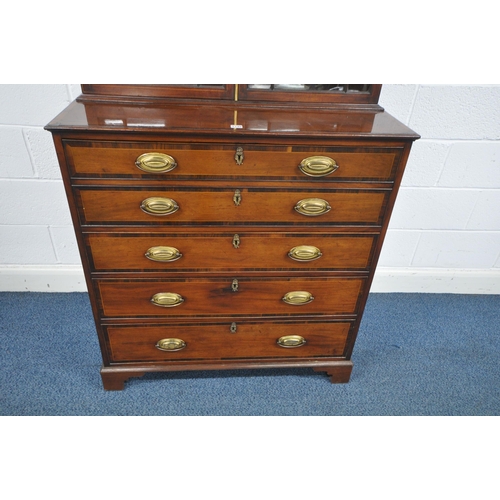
(225, 226)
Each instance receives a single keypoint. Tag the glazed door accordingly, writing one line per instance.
(181, 91)
(347, 93)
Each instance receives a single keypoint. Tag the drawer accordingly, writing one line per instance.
(125, 159)
(226, 341)
(229, 251)
(233, 206)
(229, 297)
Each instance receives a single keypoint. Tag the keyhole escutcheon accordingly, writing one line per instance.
(239, 156)
(237, 198)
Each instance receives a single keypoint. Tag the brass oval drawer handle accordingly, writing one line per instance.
(304, 253)
(289, 341)
(167, 299)
(159, 206)
(170, 345)
(318, 166)
(312, 207)
(163, 254)
(155, 163)
(298, 298)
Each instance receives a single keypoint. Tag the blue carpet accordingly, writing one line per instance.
(416, 354)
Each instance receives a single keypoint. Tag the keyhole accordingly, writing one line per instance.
(239, 157)
(237, 197)
(233, 328)
(235, 286)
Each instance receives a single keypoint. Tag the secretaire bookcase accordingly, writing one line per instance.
(229, 226)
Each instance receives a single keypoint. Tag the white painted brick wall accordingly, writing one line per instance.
(35, 224)
(447, 217)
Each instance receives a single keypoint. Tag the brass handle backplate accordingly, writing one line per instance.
(167, 299)
(155, 163)
(312, 207)
(318, 166)
(159, 206)
(304, 253)
(298, 298)
(239, 156)
(170, 345)
(290, 341)
(163, 254)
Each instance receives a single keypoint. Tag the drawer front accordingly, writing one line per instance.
(229, 251)
(184, 161)
(223, 206)
(230, 297)
(226, 341)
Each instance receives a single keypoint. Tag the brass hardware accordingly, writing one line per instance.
(318, 166)
(167, 299)
(237, 198)
(235, 285)
(298, 298)
(236, 241)
(163, 254)
(233, 328)
(159, 206)
(304, 253)
(155, 163)
(312, 207)
(239, 156)
(290, 341)
(170, 345)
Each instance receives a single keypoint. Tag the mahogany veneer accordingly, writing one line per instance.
(229, 226)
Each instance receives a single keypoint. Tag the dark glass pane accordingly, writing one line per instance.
(311, 87)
